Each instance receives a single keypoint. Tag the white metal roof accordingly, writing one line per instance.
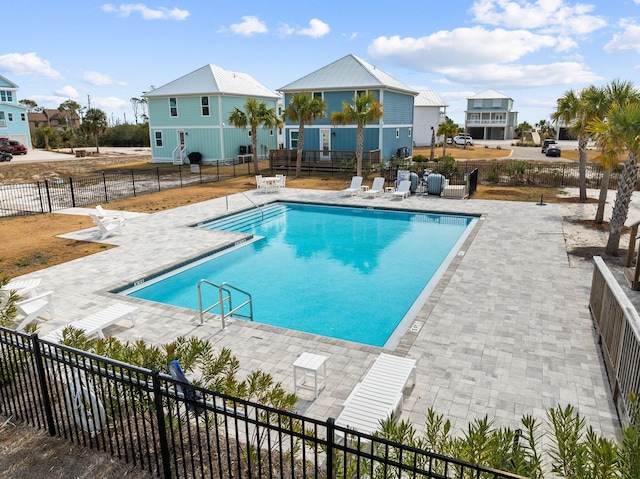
(347, 72)
(488, 95)
(428, 98)
(211, 80)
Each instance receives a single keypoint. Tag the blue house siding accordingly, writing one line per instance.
(398, 108)
(14, 123)
(398, 113)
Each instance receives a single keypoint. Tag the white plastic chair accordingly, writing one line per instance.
(355, 187)
(282, 179)
(31, 308)
(107, 227)
(103, 215)
(377, 189)
(403, 191)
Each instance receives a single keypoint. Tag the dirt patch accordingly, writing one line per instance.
(27, 453)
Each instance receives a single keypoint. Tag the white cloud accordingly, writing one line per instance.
(317, 28)
(544, 15)
(97, 78)
(147, 13)
(110, 103)
(628, 39)
(522, 76)
(477, 56)
(462, 46)
(67, 91)
(285, 30)
(27, 64)
(249, 26)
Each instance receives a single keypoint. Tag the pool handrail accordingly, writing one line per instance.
(223, 289)
(243, 194)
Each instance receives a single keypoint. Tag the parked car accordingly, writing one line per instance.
(5, 156)
(463, 139)
(553, 149)
(546, 144)
(17, 148)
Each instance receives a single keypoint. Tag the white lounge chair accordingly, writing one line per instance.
(111, 216)
(33, 307)
(403, 191)
(282, 180)
(355, 188)
(95, 323)
(107, 227)
(377, 189)
(378, 395)
(23, 287)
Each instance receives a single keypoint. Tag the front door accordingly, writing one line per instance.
(325, 144)
(181, 139)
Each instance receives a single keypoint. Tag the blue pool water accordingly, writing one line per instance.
(346, 273)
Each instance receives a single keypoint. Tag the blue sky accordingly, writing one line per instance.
(532, 51)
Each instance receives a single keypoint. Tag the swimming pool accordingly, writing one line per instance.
(349, 273)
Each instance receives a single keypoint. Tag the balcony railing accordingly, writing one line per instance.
(492, 121)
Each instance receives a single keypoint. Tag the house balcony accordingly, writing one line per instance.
(487, 122)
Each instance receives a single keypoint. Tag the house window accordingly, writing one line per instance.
(10, 116)
(6, 96)
(497, 103)
(158, 135)
(397, 132)
(271, 132)
(204, 101)
(173, 107)
(361, 92)
(477, 103)
(293, 137)
(409, 132)
(317, 94)
(23, 117)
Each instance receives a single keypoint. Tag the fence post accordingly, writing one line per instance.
(162, 428)
(35, 349)
(330, 447)
(46, 186)
(180, 174)
(40, 197)
(73, 195)
(158, 173)
(133, 182)
(104, 182)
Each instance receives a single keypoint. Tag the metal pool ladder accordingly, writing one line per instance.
(224, 300)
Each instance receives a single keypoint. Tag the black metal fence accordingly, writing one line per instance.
(56, 194)
(171, 429)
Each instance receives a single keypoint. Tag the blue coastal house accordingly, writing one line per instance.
(14, 123)
(341, 81)
(191, 115)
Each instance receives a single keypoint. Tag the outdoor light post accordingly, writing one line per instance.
(433, 143)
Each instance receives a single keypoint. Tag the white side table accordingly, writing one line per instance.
(308, 366)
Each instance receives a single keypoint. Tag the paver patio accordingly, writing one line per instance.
(506, 332)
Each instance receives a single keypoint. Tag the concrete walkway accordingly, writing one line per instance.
(507, 331)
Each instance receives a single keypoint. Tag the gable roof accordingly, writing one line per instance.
(212, 80)
(428, 98)
(4, 83)
(348, 72)
(488, 95)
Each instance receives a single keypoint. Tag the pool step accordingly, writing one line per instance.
(244, 222)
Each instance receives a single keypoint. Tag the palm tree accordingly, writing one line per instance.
(94, 123)
(620, 93)
(447, 129)
(255, 114)
(622, 126)
(304, 109)
(365, 109)
(577, 110)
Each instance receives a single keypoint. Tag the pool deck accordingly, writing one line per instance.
(507, 331)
